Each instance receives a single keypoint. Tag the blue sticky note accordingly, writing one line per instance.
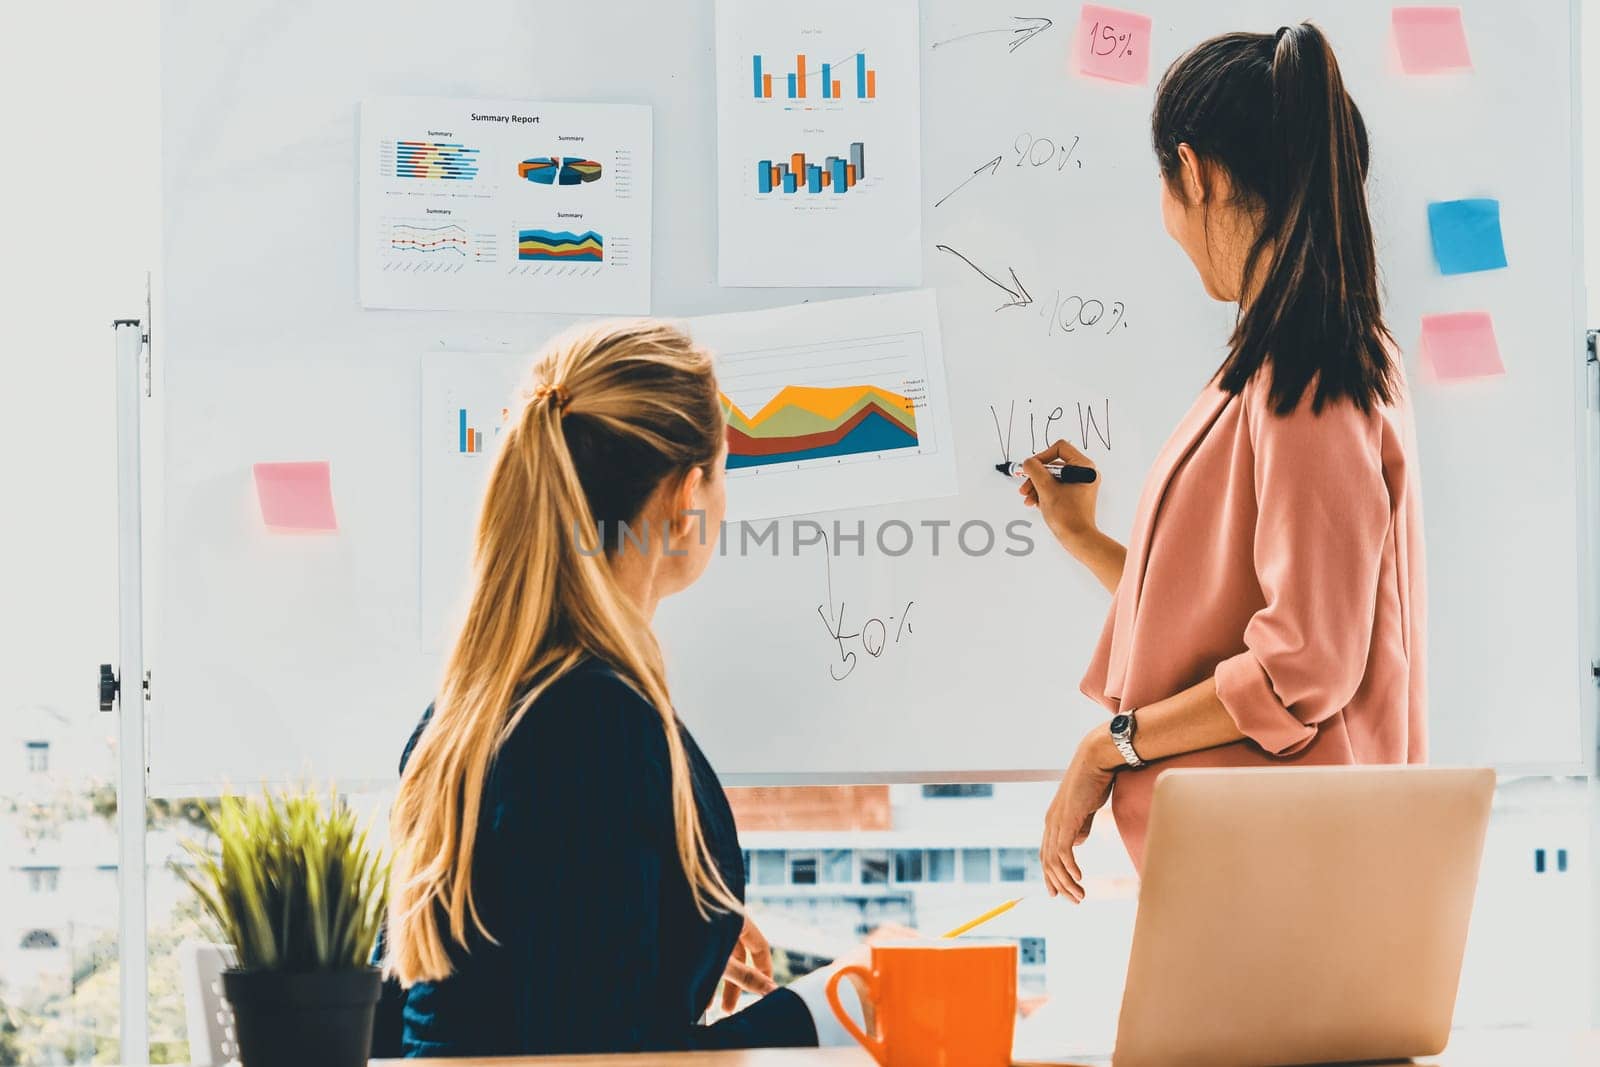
(1466, 235)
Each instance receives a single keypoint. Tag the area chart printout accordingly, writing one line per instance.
(837, 404)
(499, 205)
(818, 143)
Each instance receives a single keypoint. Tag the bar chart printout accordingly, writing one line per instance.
(805, 92)
(825, 84)
(469, 439)
(469, 400)
(831, 405)
(837, 174)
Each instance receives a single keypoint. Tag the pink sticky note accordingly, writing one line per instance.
(1461, 345)
(1113, 44)
(1431, 40)
(295, 496)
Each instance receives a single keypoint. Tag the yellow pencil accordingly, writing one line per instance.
(985, 917)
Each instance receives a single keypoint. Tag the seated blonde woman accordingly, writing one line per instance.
(567, 874)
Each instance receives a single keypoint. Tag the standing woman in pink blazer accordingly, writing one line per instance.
(1269, 608)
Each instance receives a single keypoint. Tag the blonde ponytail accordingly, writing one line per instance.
(622, 407)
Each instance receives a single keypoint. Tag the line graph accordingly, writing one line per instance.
(434, 244)
(448, 239)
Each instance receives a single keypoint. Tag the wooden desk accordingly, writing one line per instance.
(1484, 1048)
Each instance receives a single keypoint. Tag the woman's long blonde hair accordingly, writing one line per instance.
(614, 413)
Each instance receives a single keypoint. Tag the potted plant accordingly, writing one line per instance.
(298, 893)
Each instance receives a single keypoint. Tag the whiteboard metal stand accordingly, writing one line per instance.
(1591, 515)
(128, 688)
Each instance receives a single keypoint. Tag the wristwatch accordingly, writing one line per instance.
(1122, 737)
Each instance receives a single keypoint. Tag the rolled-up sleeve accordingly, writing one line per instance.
(1323, 514)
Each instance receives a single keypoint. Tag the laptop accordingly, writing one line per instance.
(1302, 915)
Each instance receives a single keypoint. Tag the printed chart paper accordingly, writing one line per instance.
(839, 404)
(818, 144)
(497, 205)
(468, 402)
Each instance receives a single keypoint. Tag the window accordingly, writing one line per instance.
(1018, 865)
(874, 867)
(38, 756)
(1030, 952)
(803, 868)
(934, 791)
(975, 864)
(40, 939)
(44, 879)
(836, 866)
(908, 865)
(941, 865)
(769, 866)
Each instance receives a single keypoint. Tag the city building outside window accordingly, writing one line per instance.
(976, 865)
(932, 791)
(1018, 865)
(908, 865)
(40, 939)
(803, 869)
(44, 879)
(941, 865)
(837, 866)
(875, 867)
(768, 867)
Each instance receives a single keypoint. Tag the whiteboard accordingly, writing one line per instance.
(279, 657)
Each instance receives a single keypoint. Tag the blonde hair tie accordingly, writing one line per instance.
(546, 390)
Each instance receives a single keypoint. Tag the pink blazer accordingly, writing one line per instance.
(1282, 555)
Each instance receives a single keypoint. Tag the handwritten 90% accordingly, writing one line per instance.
(1041, 151)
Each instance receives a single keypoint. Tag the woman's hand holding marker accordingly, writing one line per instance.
(1067, 509)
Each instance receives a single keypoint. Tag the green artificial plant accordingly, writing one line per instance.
(293, 885)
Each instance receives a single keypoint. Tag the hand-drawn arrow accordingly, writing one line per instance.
(1020, 297)
(1028, 29)
(991, 166)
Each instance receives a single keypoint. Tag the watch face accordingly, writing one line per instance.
(1120, 724)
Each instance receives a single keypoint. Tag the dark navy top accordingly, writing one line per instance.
(576, 876)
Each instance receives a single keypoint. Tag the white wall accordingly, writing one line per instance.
(1591, 151)
(80, 90)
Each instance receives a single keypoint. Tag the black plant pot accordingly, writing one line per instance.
(316, 1019)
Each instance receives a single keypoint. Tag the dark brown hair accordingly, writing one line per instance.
(1272, 110)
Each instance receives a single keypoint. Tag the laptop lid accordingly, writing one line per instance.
(1302, 915)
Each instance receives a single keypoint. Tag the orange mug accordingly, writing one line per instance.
(936, 1003)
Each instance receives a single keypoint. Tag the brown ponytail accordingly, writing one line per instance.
(1272, 110)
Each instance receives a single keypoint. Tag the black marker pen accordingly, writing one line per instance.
(1061, 472)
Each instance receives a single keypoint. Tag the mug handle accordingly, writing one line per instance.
(873, 1045)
